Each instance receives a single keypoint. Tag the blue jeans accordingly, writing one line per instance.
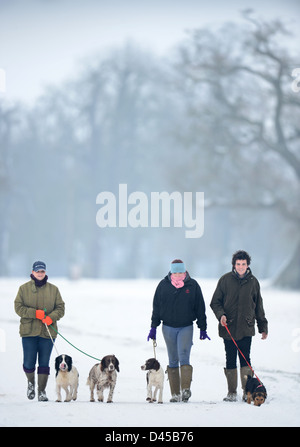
(179, 343)
(33, 347)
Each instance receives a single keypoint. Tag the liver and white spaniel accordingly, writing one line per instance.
(104, 375)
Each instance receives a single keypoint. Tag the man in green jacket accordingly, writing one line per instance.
(39, 304)
(237, 303)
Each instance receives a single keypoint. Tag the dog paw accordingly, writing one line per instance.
(109, 401)
(57, 400)
(148, 399)
(92, 400)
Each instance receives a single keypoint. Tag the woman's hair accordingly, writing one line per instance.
(177, 261)
(241, 254)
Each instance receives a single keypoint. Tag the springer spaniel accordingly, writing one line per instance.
(66, 378)
(155, 378)
(104, 375)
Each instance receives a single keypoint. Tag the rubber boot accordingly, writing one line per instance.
(245, 371)
(31, 383)
(231, 376)
(186, 372)
(43, 374)
(174, 380)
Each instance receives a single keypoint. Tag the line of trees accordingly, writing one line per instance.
(218, 115)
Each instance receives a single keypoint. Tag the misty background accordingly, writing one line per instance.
(163, 96)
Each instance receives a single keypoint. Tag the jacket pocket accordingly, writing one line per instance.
(250, 321)
(25, 326)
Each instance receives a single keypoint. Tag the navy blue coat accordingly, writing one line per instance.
(178, 307)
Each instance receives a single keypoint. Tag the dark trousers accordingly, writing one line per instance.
(231, 352)
(34, 347)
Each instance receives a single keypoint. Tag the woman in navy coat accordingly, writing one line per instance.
(178, 302)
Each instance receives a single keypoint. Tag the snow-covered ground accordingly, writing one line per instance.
(113, 317)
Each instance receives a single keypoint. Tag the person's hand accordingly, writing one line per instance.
(152, 334)
(39, 314)
(223, 320)
(203, 335)
(47, 320)
(264, 335)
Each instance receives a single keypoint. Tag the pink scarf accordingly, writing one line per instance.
(178, 281)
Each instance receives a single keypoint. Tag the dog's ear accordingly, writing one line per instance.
(69, 362)
(57, 360)
(103, 364)
(117, 364)
(156, 365)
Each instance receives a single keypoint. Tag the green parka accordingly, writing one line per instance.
(240, 300)
(29, 299)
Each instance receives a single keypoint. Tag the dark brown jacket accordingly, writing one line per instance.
(240, 300)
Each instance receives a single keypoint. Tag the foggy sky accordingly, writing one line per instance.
(43, 42)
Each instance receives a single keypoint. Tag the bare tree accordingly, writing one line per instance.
(245, 118)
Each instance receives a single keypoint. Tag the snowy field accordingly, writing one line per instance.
(113, 317)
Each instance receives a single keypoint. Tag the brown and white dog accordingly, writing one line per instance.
(155, 378)
(104, 375)
(66, 378)
(256, 391)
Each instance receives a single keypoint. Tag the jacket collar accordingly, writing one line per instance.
(37, 282)
(247, 275)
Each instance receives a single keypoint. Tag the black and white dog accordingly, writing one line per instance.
(104, 375)
(155, 378)
(66, 378)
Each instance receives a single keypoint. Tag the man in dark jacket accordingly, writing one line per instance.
(237, 303)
